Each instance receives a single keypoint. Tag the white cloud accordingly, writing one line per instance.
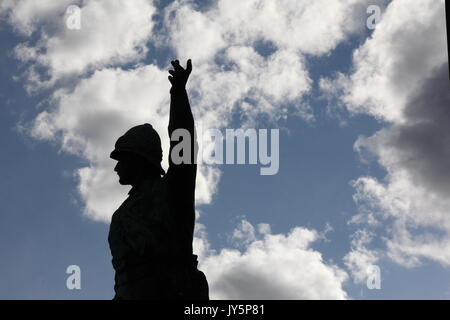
(26, 16)
(269, 83)
(288, 25)
(406, 46)
(415, 220)
(414, 198)
(192, 33)
(360, 258)
(271, 266)
(400, 75)
(264, 228)
(245, 233)
(111, 33)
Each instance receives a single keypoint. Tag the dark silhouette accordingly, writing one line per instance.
(151, 233)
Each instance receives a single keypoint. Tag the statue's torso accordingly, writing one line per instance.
(141, 237)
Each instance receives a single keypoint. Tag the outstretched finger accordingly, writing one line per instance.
(189, 66)
(176, 65)
(170, 79)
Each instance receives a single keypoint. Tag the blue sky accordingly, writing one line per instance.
(361, 84)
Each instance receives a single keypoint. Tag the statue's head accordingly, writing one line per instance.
(139, 154)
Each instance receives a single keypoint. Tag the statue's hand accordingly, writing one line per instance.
(179, 76)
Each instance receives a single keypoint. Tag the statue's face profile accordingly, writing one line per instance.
(129, 168)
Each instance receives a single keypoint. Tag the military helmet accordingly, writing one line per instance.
(142, 140)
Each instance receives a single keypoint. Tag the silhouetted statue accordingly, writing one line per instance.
(151, 233)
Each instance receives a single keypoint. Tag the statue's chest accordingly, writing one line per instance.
(133, 217)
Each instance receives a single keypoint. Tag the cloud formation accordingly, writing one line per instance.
(270, 266)
(415, 155)
(406, 46)
(400, 76)
(111, 33)
(287, 25)
(360, 258)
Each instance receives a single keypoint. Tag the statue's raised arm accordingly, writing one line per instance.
(181, 118)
